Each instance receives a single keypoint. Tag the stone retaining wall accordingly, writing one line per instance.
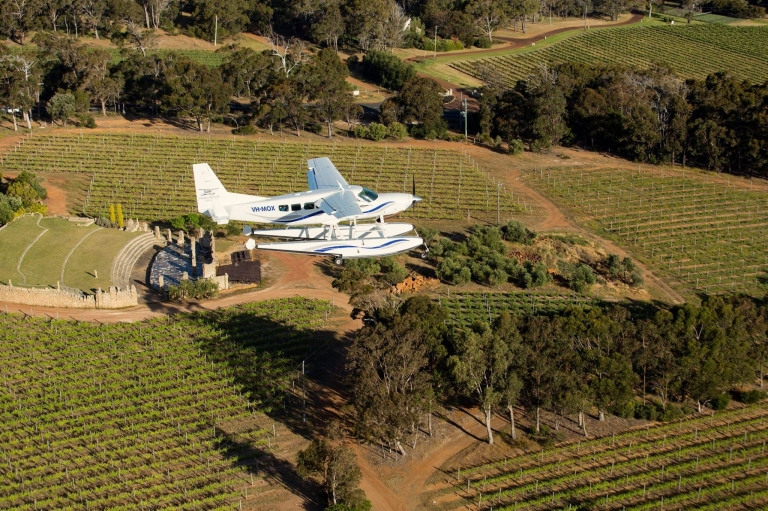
(112, 299)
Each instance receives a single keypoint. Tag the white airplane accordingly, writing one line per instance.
(329, 200)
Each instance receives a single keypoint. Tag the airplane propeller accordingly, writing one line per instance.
(416, 198)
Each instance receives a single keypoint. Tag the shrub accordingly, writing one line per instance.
(245, 129)
(428, 44)
(397, 130)
(387, 70)
(360, 131)
(748, 397)
(516, 232)
(193, 289)
(482, 42)
(516, 146)
(377, 131)
(720, 401)
(61, 107)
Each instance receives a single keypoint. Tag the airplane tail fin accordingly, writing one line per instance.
(210, 193)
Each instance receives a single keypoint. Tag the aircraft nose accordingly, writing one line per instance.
(416, 198)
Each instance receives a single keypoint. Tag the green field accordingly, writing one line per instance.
(698, 233)
(693, 51)
(62, 248)
(158, 414)
(464, 308)
(711, 462)
(151, 176)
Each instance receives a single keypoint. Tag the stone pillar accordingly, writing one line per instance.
(226, 281)
(185, 276)
(157, 232)
(213, 242)
(192, 243)
(160, 282)
(181, 238)
(170, 237)
(200, 232)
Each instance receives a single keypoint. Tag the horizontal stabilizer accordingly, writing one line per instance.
(348, 249)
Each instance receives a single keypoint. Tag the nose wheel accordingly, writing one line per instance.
(338, 261)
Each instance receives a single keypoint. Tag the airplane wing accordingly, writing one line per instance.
(324, 174)
(341, 205)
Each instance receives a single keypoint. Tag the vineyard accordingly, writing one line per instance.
(690, 51)
(702, 234)
(466, 308)
(151, 176)
(713, 461)
(163, 413)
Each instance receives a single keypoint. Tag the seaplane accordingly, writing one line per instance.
(311, 221)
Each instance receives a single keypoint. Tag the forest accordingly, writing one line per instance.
(643, 115)
(626, 360)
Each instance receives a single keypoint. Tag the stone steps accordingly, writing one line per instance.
(122, 266)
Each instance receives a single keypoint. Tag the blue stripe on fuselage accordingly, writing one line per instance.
(379, 207)
(336, 247)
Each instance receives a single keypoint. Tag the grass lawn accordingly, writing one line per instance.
(14, 239)
(96, 252)
(94, 249)
(43, 263)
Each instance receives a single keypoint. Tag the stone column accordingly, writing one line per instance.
(181, 238)
(157, 232)
(192, 243)
(160, 282)
(170, 237)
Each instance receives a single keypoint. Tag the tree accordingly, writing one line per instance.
(19, 17)
(330, 25)
(548, 112)
(366, 21)
(61, 107)
(391, 386)
(247, 71)
(290, 53)
(93, 12)
(335, 463)
(480, 365)
(195, 90)
(521, 9)
(328, 88)
(488, 14)
(613, 8)
(420, 102)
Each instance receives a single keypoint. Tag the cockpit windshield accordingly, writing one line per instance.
(368, 195)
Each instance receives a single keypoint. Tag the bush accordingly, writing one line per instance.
(193, 289)
(428, 44)
(720, 401)
(516, 232)
(387, 70)
(245, 129)
(397, 130)
(360, 131)
(748, 397)
(516, 146)
(377, 131)
(61, 107)
(482, 42)
(86, 121)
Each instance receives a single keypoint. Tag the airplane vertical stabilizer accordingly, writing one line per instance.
(210, 191)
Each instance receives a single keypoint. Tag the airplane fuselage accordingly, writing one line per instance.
(306, 208)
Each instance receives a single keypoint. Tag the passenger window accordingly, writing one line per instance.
(283, 207)
(295, 207)
(309, 205)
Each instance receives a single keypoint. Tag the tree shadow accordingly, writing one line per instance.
(266, 357)
(264, 464)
